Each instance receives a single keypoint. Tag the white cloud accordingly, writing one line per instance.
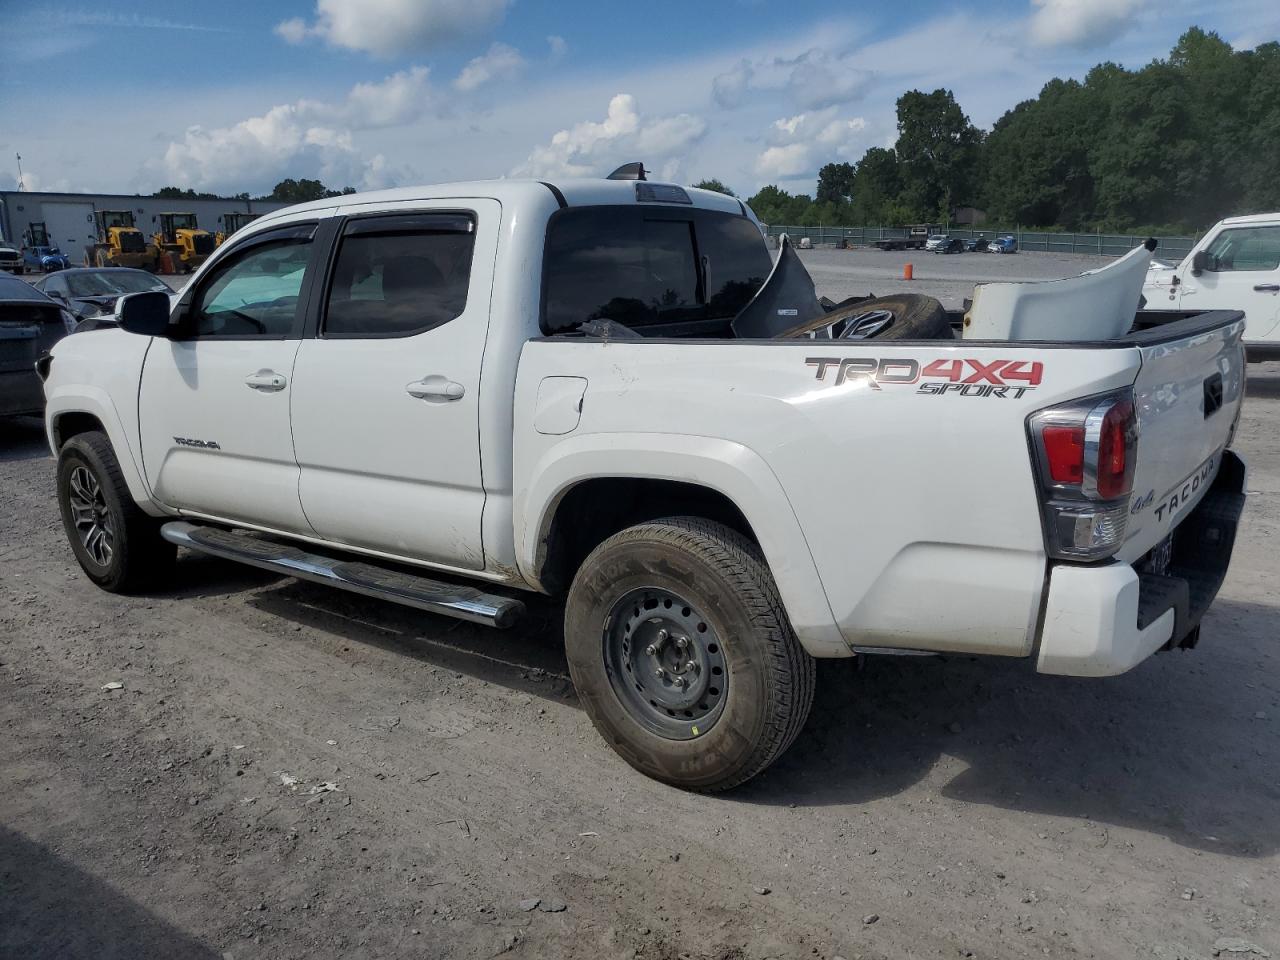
(804, 142)
(1081, 23)
(821, 79)
(309, 138)
(557, 46)
(586, 148)
(814, 79)
(730, 88)
(500, 62)
(388, 28)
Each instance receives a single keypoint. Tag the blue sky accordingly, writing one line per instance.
(235, 96)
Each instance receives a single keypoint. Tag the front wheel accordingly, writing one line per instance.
(682, 655)
(119, 547)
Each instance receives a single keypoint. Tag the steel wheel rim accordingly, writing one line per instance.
(91, 516)
(666, 664)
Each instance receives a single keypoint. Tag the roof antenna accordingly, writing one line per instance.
(629, 171)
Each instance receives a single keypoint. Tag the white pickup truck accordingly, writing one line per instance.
(1235, 266)
(446, 395)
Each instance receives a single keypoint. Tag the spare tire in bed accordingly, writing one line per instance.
(903, 316)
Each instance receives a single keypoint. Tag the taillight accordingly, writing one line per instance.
(1085, 455)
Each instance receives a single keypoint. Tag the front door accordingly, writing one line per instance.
(386, 400)
(1243, 273)
(215, 399)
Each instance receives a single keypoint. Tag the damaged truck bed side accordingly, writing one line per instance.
(443, 396)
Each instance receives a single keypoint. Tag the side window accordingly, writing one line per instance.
(254, 293)
(396, 276)
(618, 264)
(1245, 248)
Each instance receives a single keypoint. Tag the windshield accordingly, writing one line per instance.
(113, 284)
(666, 271)
(47, 251)
(117, 218)
(184, 221)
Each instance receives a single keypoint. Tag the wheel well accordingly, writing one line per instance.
(594, 510)
(68, 425)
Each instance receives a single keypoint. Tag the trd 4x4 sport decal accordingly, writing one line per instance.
(967, 377)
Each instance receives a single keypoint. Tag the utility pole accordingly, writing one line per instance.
(20, 184)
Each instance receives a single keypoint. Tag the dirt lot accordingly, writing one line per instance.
(292, 772)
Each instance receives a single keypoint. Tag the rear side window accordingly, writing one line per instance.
(397, 276)
(661, 272)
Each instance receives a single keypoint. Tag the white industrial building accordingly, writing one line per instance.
(68, 217)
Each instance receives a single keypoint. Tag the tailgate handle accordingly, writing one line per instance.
(1212, 395)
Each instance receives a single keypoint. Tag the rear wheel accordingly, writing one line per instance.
(118, 546)
(682, 655)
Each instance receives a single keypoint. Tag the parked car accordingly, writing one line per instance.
(44, 259)
(977, 245)
(10, 257)
(950, 245)
(92, 292)
(1005, 244)
(30, 324)
(534, 386)
(936, 242)
(1235, 266)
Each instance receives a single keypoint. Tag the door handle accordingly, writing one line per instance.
(1267, 287)
(268, 381)
(435, 389)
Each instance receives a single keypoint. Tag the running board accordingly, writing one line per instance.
(451, 600)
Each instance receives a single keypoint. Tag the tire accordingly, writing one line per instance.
(909, 316)
(726, 608)
(136, 556)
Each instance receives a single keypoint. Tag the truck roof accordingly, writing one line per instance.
(575, 191)
(1255, 218)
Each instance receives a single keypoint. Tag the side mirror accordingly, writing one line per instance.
(146, 314)
(55, 295)
(1199, 262)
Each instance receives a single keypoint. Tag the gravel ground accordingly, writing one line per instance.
(286, 771)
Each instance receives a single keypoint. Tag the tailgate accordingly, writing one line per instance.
(1187, 396)
(19, 347)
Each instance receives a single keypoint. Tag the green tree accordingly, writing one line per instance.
(937, 148)
(835, 183)
(877, 185)
(715, 185)
(775, 206)
(302, 191)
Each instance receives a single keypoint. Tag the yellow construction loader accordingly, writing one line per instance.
(120, 243)
(180, 236)
(231, 222)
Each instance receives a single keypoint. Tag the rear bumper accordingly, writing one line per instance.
(1103, 620)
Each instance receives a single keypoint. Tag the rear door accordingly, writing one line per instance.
(1187, 395)
(215, 403)
(386, 399)
(1243, 274)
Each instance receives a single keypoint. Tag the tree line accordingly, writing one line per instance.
(1168, 148)
(286, 191)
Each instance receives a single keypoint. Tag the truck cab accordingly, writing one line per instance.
(1235, 266)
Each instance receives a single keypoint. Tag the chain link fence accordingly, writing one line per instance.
(1171, 249)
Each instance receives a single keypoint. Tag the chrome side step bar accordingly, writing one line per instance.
(451, 600)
